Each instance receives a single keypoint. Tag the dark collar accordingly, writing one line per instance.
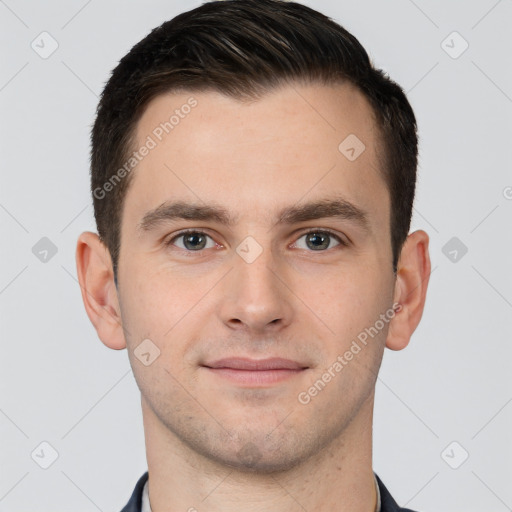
(135, 502)
(388, 504)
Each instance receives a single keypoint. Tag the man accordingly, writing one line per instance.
(253, 179)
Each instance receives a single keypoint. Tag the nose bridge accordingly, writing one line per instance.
(254, 261)
(255, 265)
(257, 293)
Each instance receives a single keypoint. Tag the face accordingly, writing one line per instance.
(304, 267)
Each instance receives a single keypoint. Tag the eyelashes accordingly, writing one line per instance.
(170, 243)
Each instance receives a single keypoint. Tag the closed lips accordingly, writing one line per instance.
(238, 363)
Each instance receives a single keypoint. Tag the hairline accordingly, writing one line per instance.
(257, 92)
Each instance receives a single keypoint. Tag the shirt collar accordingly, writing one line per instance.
(147, 508)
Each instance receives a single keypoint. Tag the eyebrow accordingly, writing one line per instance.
(336, 207)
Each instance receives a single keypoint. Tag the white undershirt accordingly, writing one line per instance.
(147, 508)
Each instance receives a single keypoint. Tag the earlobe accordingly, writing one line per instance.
(99, 294)
(410, 289)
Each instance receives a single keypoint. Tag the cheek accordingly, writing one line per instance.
(160, 310)
(152, 304)
(349, 299)
(167, 306)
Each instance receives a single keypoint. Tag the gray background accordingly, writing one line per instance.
(60, 385)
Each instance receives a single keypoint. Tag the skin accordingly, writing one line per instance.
(212, 444)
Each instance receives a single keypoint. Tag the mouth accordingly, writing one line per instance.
(255, 372)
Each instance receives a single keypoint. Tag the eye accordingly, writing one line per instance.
(318, 240)
(192, 240)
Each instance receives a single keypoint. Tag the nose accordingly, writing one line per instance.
(255, 294)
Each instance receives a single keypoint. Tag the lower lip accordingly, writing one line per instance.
(255, 377)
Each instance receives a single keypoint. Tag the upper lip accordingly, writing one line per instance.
(242, 363)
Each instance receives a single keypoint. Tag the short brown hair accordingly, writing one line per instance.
(243, 48)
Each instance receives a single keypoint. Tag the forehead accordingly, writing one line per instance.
(294, 143)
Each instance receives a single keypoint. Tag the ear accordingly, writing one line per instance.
(99, 293)
(413, 274)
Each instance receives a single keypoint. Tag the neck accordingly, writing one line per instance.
(338, 477)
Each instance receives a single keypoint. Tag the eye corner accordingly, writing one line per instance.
(342, 240)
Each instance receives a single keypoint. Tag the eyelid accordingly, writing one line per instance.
(341, 238)
(201, 231)
(306, 231)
